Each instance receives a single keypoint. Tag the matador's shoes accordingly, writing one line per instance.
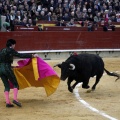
(9, 105)
(17, 103)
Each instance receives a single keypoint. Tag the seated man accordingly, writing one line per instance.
(24, 23)
(71, 23)
(30, 22)
(61, 23)
(109, 26)
(90, 25)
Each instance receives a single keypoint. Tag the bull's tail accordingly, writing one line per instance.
(112, 74)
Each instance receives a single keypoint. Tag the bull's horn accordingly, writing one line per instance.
(57, 64)
(73, 67)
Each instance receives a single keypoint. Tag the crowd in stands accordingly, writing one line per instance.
(29, 12)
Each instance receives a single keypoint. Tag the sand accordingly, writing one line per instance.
(63, 105)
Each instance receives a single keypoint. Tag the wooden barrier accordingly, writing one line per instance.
(62, 40)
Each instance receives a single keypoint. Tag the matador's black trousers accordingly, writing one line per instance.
(6, 73)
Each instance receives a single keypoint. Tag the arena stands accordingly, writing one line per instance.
(29, 13)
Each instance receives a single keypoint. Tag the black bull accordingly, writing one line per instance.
(81, 67)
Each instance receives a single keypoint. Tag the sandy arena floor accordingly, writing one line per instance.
(102, 104)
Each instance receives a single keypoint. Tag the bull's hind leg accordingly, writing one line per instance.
(96, 82)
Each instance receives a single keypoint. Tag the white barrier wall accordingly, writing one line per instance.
(63, 54)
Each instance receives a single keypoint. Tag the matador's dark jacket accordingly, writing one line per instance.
(7, 55)
(6, 59)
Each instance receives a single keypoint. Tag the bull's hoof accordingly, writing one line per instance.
(70, 89)
(89, 91)
(93, 89)
(85, 86)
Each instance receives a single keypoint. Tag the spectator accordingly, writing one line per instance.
(6, 25)
(8, 19)
(117, 6)
(73, 16)
(12, 17)
(106, 15)
(51, 9)
(54, 17)
(113, 18)
(59, 16)
(30, 23)
(118, 17)
(19, 16)
(61, 23)
(48, 17)
(71, 23)
(78, 14)
(17, 22)
(109, 26)
(42, 15)
(66, 17)
(1, 8)
(24, 23)
(39, 8)
(52, 5)
(37, 16)
(90, 25)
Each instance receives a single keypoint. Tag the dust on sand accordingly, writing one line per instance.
(63, 105)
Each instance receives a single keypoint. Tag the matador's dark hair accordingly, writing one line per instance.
(10, 42)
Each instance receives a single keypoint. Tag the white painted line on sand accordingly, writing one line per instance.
(88, 105)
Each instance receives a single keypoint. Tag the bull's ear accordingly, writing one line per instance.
(59, 65)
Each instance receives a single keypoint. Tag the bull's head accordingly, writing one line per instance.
(66, 69)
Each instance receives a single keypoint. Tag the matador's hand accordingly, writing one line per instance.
(35, 55)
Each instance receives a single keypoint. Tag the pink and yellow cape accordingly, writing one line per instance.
(36, 72)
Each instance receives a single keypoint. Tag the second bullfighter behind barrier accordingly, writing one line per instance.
(81, 67)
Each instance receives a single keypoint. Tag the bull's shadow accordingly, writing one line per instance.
(81, 67)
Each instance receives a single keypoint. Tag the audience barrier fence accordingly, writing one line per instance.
(58, 28)
(61, 44)
(59, 40)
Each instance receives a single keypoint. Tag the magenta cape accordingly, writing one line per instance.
(36, 72)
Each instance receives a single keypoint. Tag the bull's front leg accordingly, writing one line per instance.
(74, 85)
(69, 84)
